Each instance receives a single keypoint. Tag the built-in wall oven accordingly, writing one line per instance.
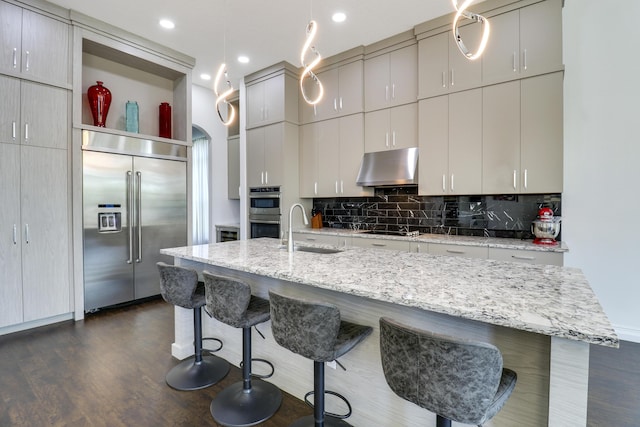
(264, 212)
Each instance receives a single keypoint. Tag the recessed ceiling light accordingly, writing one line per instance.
(339, 17)
(205, 76)
(243, 59)
(165, 23)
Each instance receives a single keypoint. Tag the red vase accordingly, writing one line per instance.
(164, 120)
(99, 102)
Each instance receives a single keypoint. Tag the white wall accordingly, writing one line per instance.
(204, 115)
(601, 198)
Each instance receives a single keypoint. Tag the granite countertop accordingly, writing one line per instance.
(490, 242)
(544, 299)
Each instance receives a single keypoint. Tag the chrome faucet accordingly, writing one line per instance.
(306, 222)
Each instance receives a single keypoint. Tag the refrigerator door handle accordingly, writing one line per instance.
(139, 215)
(130, 214)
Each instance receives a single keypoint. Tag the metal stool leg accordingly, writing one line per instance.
(197, 371)
(248, 402)
(442, 422)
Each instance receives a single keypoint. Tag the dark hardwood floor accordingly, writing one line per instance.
(109, 369)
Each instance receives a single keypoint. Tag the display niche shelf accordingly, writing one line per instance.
(133, 73)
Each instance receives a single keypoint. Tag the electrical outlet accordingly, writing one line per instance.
(332, 364)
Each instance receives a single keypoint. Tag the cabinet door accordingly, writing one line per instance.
(45, 251)
(403, 75)
(9, 109)
(389, 244)
(433, 136)
(501, 58)
(255, 157)
(465, 142)
(351, 95)
(274, 99)
(328, 134)
(44, 115)
(233, 168)
(403, 126)
(273, 138)
(541, 38)
(45, 47)
(541, 134)
(525, 256)
(464, 73)
(11, 236)
(458, 250)
(351, 152)
(433, 54)
(376, 82)
(309, 160)
(10, 37)
(255, 104)
(328, 106)
(501, 138)
(376, 131)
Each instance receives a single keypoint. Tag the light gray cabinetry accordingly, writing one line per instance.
(264, 155)
(450, 139)
(443, 68)
(522, 136)
(322, 239)
(458, 250)
(391, 78)
(35, 226)
(375, 243)
(343, 94)
(9, 109)
(33, 45)
(233, 167)
(272, 98)
(310, 138)
(391, 128)
(526, 256)
(524, 42)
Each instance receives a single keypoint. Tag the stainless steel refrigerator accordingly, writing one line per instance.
(134, 204)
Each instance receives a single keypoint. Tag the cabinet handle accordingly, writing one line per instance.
(452, 182)
(393, 138)
(130, 213)
(418, 249)
(26, 233)
(444, 183)
(525, 179)
(15, 234)
(139, 216)
(452, 78)
(341, 187)
(524, 59)
(310, 239)
(386, 139)
(515, 179)
(26, 132)
(336, 187)
(266, 177)
(513, 62)
(380, 245)
(15, 57)
(340, 103)
(525, 258)
(444, 83)
(452, 251)
(27, 61)
(386, 92)
(315, 110)
(315, 188)
(335, 104)
(393, 91)
(13, 130)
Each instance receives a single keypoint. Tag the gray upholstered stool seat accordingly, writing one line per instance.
(179, 286)
(248, 402)
(458, 380)
(314, 330)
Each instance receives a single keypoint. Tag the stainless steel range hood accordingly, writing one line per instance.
(393, 167)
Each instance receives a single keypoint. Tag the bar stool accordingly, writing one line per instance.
(179, 286)
(458, 380)
(314, 330)
(248, 402)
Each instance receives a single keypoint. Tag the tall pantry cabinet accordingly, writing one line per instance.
(34, 143)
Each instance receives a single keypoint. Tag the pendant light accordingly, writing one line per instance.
(221, 98)
(311, 30)
(463, 12)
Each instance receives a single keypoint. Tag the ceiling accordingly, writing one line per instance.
(267, 31)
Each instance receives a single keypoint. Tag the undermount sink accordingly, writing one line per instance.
(314, 249)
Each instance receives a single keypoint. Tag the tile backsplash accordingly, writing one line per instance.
(401, 209)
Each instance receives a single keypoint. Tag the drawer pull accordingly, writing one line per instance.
(378, 244)
(453, 251)
(522, 257)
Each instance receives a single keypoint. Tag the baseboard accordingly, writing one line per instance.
(35, 323)
(181, 352)
(628, 334)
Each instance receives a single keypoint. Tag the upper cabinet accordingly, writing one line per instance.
(272, 96)
(342, 80)
(524, 42)
(34, 46)
(443, 68)
(391, 73)
(391, 128)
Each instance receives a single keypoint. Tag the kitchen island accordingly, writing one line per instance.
(543, 318)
